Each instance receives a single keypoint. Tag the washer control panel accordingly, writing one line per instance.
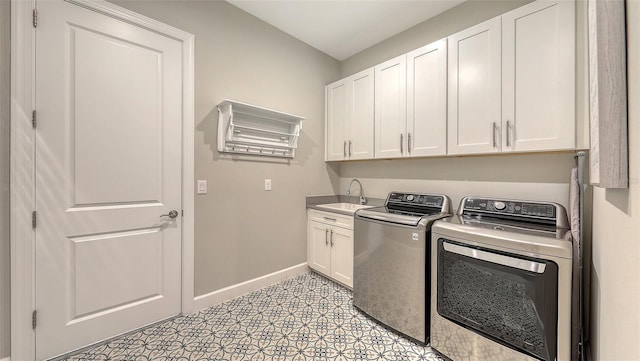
(415, 199)
(509, 207)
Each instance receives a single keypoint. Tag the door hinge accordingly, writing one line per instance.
(35, 18)
(34, 220)
(34, 119)
(34, 319)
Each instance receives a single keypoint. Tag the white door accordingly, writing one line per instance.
(474, 89)
(538, 77)
(319, 248)
(391, 108)
(342, 255)
(361, 115)
(108, 156)
(427, 100)
(336, 120)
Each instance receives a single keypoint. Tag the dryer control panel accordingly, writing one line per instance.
(512, 208)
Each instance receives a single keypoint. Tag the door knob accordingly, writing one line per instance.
(172, 214)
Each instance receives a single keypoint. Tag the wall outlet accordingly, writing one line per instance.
(202, 187)
(267, 184)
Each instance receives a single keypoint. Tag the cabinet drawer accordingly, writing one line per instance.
(334, 219)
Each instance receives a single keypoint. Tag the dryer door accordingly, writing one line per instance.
(508, 298)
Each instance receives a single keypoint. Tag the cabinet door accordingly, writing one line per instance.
(336, 120)
(319, 248)
(360, 139)
(474, 89)
(538, 77)
(341, 241)
(391, 108)
(427, 100)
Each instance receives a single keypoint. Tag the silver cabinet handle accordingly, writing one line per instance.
(409, 143)
(326, 237)
(344, 148)
(401, 143)
(330, 219)
(508, 137)
(172, 214)
(332, 238)
(494, 129)
(349, 148)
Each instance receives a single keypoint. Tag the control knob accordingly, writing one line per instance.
(410, 197)
(499, 206)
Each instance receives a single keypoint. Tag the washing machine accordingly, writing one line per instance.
(391, 260)
(501, 281)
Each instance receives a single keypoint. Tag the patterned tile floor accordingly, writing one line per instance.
(304, 318)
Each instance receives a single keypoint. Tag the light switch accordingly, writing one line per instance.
(202, 187)
(267, 184)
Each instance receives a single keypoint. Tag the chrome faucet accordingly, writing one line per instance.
(363, 200)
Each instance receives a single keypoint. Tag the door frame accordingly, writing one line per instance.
(22, 168)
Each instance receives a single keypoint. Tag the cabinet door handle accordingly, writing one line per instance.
(493, 130)
(332, 238)
(330, 219)
(344, 148)
(401, 143)
(509, 134)
(326, 237)
(409, 143)
(349, 148)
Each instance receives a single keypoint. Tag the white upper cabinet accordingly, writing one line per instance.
(427, 100)
(391, 108)
(336, 120)
(538, 77)
(504, 85)
(512, 82)
(349, 118)
(474, 89)
(360, 143)
(330, 245)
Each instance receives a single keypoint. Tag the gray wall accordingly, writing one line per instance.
(524, 176)
(616, 246)
(449, 22)
(5, 251)
(241, 231)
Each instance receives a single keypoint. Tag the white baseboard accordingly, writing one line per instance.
(5, 359)
(227, 293)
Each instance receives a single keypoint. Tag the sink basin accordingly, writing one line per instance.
(345, 207)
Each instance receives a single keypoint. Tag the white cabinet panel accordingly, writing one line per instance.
(427, 100)
(538, 77)
(349, 118)
(360, 143)
(337, 115)
(319, 249)
(391, 107)
(474, 89)
(332, 219)
(330, 245)
(341, 241)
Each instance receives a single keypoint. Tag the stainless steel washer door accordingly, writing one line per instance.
(390, 283)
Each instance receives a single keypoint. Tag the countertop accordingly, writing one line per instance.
(314, 201)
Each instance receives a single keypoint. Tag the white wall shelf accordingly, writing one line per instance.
(250, 129)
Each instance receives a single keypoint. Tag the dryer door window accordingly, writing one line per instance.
(508, 298)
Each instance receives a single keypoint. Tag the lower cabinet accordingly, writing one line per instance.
(330, 245)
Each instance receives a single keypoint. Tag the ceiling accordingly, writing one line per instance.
(342, 28)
